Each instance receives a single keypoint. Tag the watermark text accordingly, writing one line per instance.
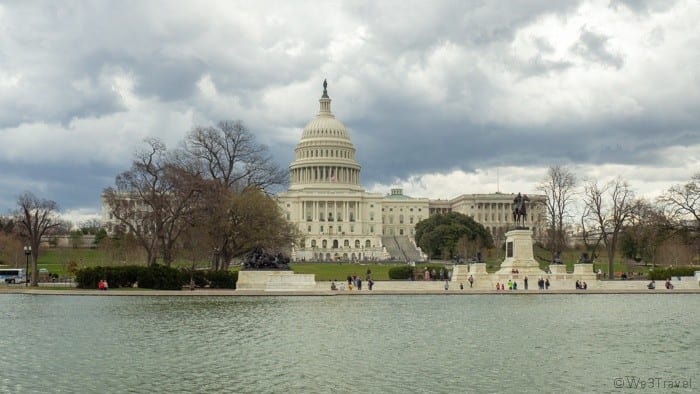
(643, 383)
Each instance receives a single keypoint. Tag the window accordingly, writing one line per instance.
(308, 229)
(321, 230)
(346, 244)
(357, 244)
(367, 244)
(313, 243)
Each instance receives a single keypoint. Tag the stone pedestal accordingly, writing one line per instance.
(461, 274)
(558, 269)
(275, 281)
(584, 272)
(519, 255)
(477, 269)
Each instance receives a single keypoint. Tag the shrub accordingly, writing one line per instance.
(199, 277)
(154, 277)
(401, 272)
(663, 274)
(160, 277)
(222, 279)
(87, 278)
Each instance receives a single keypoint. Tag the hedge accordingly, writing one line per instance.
(663, 274)
(157, 277)
(222, 279)
(401, 272)
(406, 271)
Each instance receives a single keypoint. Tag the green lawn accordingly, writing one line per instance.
(56, 261)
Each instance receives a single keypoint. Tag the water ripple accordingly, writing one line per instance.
(379, 344)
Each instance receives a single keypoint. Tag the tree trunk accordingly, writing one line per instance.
(35, 271)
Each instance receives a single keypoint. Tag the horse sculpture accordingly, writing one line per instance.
(519, 210)
(259, 259)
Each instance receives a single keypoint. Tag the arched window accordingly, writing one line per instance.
(367, 244)
(346, 244)
(335, 244)
(313, 243)
(324, 244)
(357, 244)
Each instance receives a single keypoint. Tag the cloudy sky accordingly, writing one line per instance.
(440, 97)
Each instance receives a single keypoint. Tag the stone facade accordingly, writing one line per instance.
(341, 221)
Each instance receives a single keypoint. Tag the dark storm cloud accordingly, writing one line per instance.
(70, 186)
(404, 26)
(424, 87)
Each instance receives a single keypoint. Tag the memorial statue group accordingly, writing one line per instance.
(259, 259)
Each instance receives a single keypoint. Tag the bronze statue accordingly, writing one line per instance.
(520, 210)
(259, 259)
(325, 86)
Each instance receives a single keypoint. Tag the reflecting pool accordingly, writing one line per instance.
(374, 344)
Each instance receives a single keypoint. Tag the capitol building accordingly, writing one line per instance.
(340, 221)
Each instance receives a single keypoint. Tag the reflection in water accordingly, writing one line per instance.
(315, 344)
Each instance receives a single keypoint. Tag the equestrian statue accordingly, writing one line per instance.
(519, 210)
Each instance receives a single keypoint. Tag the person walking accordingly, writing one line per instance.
(525, 282)
(471, 281)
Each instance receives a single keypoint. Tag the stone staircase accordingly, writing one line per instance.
(409, 248)
(393, 248)
(401, 248)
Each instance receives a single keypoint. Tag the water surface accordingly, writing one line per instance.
(375, 344)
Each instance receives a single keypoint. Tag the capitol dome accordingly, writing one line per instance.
(324, 158)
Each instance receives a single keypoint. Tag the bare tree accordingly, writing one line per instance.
(648, 228)
(228, 156)
(684, 200)
(684, 203)
(152, 199)
(609, 207)
(559, 187)
(36, 218)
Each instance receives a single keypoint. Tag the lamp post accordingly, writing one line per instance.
(27, 252)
